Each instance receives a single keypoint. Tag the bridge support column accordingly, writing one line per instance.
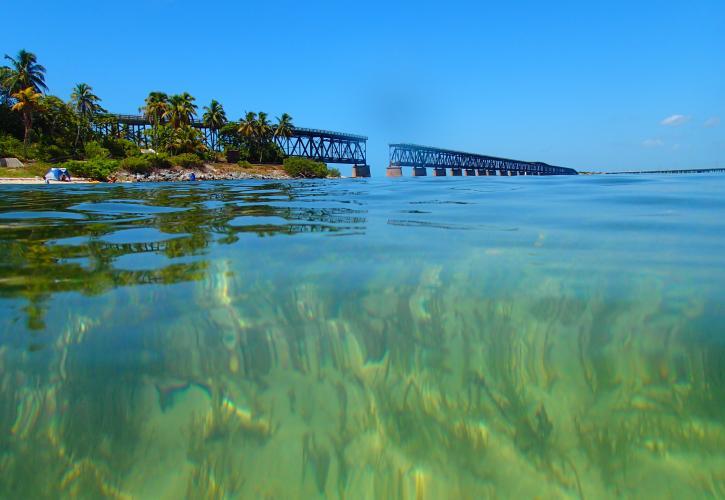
(491, 173)
(503, 173)
(361, 170)
(480, 172)
(455, 171)
(439, 172)
(419, 172)
(469, 172)
(392, 171)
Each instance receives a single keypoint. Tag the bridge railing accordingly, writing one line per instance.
(143, 120)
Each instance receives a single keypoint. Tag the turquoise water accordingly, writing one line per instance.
(413, 338)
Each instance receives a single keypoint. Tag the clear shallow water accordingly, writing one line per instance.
(418, 338)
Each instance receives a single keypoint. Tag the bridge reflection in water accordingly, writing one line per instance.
(422, 158)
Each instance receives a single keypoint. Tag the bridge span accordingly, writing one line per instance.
(421, 158)
(319, 145)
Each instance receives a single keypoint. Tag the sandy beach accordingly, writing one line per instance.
(38, 180)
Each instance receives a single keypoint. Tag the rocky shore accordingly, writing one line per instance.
(209, 172)
(177, 175)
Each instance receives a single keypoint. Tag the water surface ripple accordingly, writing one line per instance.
(556, 337)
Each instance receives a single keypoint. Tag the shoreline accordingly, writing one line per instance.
(209, 172)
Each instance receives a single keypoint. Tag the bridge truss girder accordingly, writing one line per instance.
(328, 148)
(411, 155)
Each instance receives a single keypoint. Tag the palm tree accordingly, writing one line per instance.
(264, 132)
(85, 104)
(155, 107)
(264, 128)
(24, 72)
(5, 73)
(214, 117)
(247, 125)
(182, 110)
(186, 139)
(27, 101)
(284, 126)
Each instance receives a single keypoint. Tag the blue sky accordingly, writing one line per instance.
(601, 86)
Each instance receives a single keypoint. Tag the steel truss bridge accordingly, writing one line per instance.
(422, 158)
(319, 145)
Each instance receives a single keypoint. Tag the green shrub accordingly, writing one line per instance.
(93, 150)
(160, 160)
(121, 148)
(303, 167)
(51, 152)
(187, 160)
(136, 165)
(97, 169)
(10, 147)
(245, 164)
(210, 156)
(333, 172)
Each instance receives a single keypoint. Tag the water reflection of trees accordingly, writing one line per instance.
(40, 257)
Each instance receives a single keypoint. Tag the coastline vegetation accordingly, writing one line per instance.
(45, 130)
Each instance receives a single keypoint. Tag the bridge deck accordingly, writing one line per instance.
(141, 120)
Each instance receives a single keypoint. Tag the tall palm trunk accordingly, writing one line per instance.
(78, 137)
(28, 123)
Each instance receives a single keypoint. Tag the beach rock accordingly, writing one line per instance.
(11, 163)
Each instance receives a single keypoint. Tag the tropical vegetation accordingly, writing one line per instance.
(80, 133)
(306, 168)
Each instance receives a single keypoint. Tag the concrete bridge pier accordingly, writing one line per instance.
(361, 170)
(480, 172)
(456, 171)
(419, 172)
(503, 173)
(439, 172)
(393, 171)
(468, 172)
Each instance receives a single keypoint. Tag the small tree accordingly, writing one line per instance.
(27, 102)
(306, 168)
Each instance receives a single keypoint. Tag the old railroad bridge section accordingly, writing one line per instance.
(319, 145)
(350, 149)
(422, 158)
